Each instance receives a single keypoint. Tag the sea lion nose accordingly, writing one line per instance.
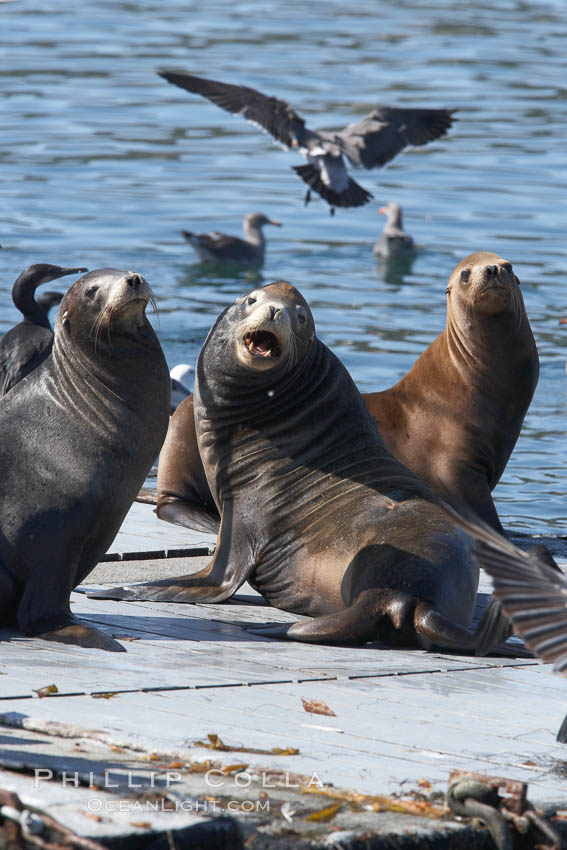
(491, 271)
(273, 312)
(134, 280)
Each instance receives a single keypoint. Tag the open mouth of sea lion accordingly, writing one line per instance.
(262, 344)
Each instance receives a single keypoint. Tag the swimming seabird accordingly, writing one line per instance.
(28, 343)
(222, 248)
(370, 143)
(532, 591)
(393, 241)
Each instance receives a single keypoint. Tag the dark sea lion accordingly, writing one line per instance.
(315, 512)
(79, 435)
(455, 417)
(28, 343)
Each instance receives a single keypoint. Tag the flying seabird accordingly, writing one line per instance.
(221, 248)
(28, 343)
(370, 143)
(393, 241)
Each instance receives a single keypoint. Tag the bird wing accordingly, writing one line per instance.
(326, 177)
(386, 131)
(24, 348)
(531, 588)
(275, 116)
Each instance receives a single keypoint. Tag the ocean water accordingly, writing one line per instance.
(102, 163)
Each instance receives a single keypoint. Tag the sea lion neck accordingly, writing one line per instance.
(225, 386)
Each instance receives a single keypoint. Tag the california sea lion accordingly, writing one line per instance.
(315, 512)
(79, 435)
(26, 345)
(455, 417)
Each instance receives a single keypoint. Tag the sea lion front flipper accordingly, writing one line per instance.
(82, 635)
(189, 515)
(219, 580)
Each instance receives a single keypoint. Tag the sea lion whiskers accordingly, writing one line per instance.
(99, 323)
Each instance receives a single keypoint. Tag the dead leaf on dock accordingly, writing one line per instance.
(317, 706)
(215, 743)
(46, 691)
(324, 815)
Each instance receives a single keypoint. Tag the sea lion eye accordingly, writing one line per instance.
(251, 301)
(465, 274)
(91, 291)
(507, 267)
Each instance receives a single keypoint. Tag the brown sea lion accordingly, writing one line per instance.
(453, 419)
(315, 512)
(79, 435)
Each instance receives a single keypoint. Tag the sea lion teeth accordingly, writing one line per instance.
(338, 554)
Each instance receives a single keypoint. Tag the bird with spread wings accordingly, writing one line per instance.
(369, 143)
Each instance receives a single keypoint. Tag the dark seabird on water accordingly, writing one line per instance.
(532, 591)
(28, 343)
(393, 241)
(370, 143)
(221, 248)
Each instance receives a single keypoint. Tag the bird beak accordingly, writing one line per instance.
(382, 210)
(277, 223)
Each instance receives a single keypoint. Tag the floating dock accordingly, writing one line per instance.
(219, 737)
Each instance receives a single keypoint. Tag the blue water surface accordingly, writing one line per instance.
(102, 163)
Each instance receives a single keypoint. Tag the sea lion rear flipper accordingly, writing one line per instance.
(216, 582)
(494, 628)
(356, 624)
(348, 626)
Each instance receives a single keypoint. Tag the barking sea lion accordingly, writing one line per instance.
(315, 512)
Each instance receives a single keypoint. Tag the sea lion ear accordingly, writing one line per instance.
(517, 280)
(66, 322)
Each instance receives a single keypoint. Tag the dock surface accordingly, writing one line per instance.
(195, 688)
